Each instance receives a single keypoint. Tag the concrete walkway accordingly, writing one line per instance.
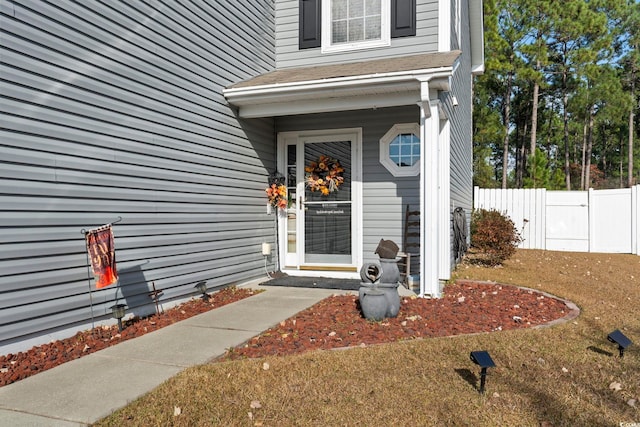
(86, 390)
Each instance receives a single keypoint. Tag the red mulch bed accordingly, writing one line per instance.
(14, 367)
(335, 322)
(465, 308)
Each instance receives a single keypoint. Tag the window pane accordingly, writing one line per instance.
(404, 150)
(338, 9)
(339, 32)
(340, 151)
(356, 8)
(373, 30)
(356, 29)
(291, 166)
(355, 20)
(291, 226)
(372, 7)
(328, 229)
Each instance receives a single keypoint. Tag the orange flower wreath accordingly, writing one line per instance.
(324, 175)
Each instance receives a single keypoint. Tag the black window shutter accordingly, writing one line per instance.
(403, 18)
(310, 25)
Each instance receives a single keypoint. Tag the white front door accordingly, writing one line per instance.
(321, 230)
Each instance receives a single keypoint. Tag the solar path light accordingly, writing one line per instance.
(619, 338)
(202, 288)
(117, 311)
(482, 359)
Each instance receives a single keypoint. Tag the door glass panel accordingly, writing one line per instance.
(291, 192)
(327, 206)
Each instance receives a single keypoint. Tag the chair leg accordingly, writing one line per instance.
(408, 272)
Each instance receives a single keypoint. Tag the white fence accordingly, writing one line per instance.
(580, 221)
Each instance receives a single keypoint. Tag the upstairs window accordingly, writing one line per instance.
(340, 25)
(355, 24)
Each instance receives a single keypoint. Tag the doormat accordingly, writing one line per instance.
(314, 282)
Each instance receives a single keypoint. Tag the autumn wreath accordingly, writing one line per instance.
(324, 175)
(277, 192)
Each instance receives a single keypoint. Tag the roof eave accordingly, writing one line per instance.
(336, 94)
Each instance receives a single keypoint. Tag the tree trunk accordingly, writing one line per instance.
(630, 141)
(534, 114)
(565, 118)
(620, 166)
(522, 154)
(584, 149)
(587, 168)
(507, 119)
(630, 165)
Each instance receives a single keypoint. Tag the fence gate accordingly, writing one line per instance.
(580, 221)
(610, 225)
(567, 221)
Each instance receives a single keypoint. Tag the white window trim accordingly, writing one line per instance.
(385, 142)
(385, 31)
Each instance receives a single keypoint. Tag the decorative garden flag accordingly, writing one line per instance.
(103, 256)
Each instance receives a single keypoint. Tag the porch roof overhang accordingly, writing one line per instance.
(341, 87)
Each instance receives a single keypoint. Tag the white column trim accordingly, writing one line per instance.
(429, 187)
(444, 25)
(444, 196)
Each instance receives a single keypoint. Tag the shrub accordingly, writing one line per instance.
(494, 235)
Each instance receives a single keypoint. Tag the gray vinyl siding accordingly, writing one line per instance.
(288, 55)
(114, 110)
(384, 196)
(461, 128)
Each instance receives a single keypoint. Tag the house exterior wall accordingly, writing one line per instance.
(115, 109)
(289, 55)
(384, 196)
(457, 184)
(461, 156)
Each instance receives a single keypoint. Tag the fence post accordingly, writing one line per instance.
(635, 219)
(590, 219)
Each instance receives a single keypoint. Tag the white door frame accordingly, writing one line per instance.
(294, 264)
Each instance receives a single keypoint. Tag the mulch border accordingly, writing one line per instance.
(574, 310)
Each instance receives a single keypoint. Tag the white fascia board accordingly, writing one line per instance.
(478, 69)
(338, 91)
(311, 105)
(476, 28)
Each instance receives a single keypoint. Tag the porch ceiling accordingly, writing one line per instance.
(350, 86)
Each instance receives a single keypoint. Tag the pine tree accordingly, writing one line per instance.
(538, 172)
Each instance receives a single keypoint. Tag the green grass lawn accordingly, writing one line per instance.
(565, 375)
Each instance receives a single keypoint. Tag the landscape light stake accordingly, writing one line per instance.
(482, 359)
(619, 338)
(202, 288)
(117, 311)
